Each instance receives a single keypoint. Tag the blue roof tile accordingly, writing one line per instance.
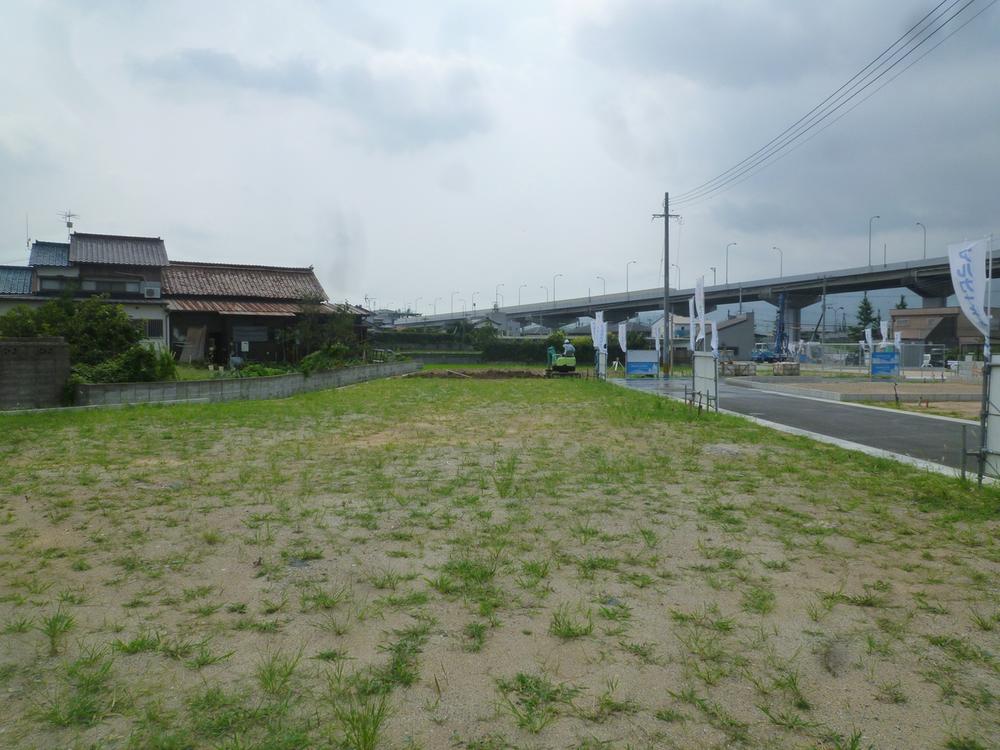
(15, 280)
(49, 254)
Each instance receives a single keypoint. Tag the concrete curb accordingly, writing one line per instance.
(797, 390)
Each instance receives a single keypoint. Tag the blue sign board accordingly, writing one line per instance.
(885, 364)
(642, 362)
(640, 368)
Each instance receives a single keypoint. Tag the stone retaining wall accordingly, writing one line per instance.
(234, 389)
(33, 372)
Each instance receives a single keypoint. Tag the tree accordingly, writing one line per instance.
(901, 305)
(866, 317)
(316, 328)
(98, 331)
(95, 330)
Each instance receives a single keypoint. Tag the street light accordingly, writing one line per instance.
(546, 291)
(436, 304)
(731, 244)
(781, 261)
(925, 238)
(496, 299)
(715, 279)
(463, 305)
(558, 275)
(674, 265)
(604, 285)
(474, 301)
(626, 275)
(453, 302)
(870, 239)
(415, 303)
(523, 286)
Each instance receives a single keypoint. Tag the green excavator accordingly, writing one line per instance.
(561, 365)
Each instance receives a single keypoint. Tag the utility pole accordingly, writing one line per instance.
(668, 334)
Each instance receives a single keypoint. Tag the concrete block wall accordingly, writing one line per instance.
(33, 372)
(236, 389)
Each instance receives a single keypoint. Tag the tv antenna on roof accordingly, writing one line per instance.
(68, 217)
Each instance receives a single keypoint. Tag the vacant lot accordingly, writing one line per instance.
(428, 563)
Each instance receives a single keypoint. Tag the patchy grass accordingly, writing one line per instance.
(448, 563)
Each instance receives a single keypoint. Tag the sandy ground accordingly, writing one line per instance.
(506, 563)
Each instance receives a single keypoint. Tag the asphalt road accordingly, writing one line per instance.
(925, 438)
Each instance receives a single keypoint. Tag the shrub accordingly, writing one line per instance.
(329, 357)
(137, 364)
(94, 329)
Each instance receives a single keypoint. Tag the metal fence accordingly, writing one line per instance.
(917, 361)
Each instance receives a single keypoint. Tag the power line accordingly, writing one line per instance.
(759, 168)
(915, 37)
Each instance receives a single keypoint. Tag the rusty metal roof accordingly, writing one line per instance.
(234, 307)
(49, 254)
(231, 280)
(117, 250)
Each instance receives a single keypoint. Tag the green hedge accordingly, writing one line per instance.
(533, 351)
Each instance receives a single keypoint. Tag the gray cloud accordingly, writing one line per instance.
(210, 67)
(395, 110)
(714, 42)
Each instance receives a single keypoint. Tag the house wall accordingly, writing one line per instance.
(739, 337)
(33, 372)
(237, 389)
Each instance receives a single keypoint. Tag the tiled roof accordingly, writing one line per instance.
(117, 250)
(15, 280)
(226, 280)
(49, 254)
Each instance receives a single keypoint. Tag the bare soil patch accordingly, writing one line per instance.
(460, 563)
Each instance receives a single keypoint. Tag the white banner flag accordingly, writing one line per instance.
(968, 275)
(715, 338)
(897, 340)
(691, 324)
(883, 328)
(868, 336)
(622, 335)
(699, 303)
(602, 333)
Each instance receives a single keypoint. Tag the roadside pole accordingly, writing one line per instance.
(667, 355)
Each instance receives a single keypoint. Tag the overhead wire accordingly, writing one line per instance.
(795, 147)
(817, 107)
(914, 38)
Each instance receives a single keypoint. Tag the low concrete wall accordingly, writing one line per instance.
(235, 389)
(33, 372)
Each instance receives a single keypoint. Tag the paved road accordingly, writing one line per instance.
(935, 440)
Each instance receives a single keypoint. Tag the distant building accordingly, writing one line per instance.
(205, 311)
(945, 326)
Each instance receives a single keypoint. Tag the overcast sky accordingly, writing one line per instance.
(415, 149)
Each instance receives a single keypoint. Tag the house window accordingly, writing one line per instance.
(150, 328)
(50, 285)
(154, 328)
(111, 286)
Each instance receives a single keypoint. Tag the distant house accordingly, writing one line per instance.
(126, 269)
(221, 309)
(203, 311)
(944, 326)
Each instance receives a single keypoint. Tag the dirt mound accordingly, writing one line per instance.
(478, 374)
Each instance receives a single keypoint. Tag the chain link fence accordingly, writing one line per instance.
(917, 361)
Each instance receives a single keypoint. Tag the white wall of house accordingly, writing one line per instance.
(150, 312)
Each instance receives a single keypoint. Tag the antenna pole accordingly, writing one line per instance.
(68, 217)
